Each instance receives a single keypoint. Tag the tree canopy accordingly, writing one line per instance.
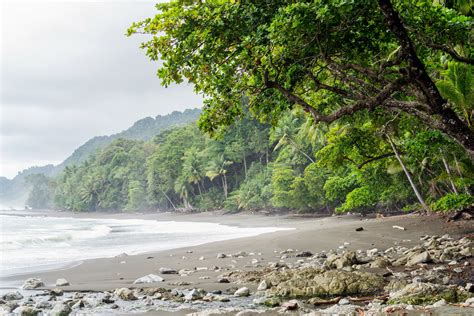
(331, 58)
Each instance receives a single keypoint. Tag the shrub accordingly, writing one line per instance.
(451, 202)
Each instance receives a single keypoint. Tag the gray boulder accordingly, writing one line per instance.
(61, 309)
(423, 257)
(125, 294)
(26, 311)
(150, 278)
(12, 296)
(168, 271)
(243, 291)
(32, 283)
(62, 282)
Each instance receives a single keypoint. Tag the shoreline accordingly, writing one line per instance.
(102, 274)
(102, 285)
(14, 278)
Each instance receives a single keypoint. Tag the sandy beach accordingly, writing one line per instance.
(307, 234)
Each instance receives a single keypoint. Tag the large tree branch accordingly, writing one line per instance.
(450, 51)
(339, 91)
(383, 156)
(454, 126)
(369, 103)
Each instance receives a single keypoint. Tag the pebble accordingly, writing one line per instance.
(168, 271)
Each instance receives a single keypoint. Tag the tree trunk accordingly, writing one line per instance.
(168, 198)
(199, 189)
(466, 189)
(452, 125)
(448, 171)
(224, 185)
(245, 166)
(408, 175)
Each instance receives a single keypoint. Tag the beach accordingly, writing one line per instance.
(211, 260)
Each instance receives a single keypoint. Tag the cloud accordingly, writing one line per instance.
(68, 73)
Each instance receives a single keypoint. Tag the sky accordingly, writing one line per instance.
(68, 73)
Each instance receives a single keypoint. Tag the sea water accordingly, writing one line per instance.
(34, 243)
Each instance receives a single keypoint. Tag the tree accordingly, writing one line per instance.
(218, 168)
(331, 58)
(41, 193)
(458, 87)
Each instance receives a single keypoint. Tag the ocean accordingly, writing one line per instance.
(35, 243)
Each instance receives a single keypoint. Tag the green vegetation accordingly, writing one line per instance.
(312, 105)
(252, 166)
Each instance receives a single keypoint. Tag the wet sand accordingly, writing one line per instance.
(309, 234)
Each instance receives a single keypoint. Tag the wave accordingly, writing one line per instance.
(26, 238)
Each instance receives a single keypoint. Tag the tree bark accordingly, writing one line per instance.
(408, 175)
(448, 171)
(453, 126)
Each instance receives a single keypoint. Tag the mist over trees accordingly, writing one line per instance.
(254, 166)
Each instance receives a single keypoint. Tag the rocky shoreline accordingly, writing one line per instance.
(434, 276)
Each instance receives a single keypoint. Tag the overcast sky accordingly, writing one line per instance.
(68, 73)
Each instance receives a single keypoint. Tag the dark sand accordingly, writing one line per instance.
(310, 234)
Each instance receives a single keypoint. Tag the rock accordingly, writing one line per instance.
(380, 263)
(150, 278)
(62, 282)
(254, 261)
(7, 308)
(439, 303)
(221, 256)
(240, 254)
(26, 311)
(304, 254)
(193, 295)
(372, 252)
(223, 280)
(12, 296)
(243, 291)
(60, 309)
(56, 292)
(267, 301)
(168, 271)
(32, 283)
(125, 294)
(290, 305)
(469, 287)
(221, 298)
(359, 229)
(309, 282)
(344, 301)
(342, 310)
(346, 259)
(398, 227)
(426, 293)
(469, 302)
(263, 286)
(43, 305)
(423, 257)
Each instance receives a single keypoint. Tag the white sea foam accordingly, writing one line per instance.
(28, 242)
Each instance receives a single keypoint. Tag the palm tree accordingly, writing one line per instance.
(192, 168)
(458, 88)
(218, 167)
(181, 187)
(285, 133)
